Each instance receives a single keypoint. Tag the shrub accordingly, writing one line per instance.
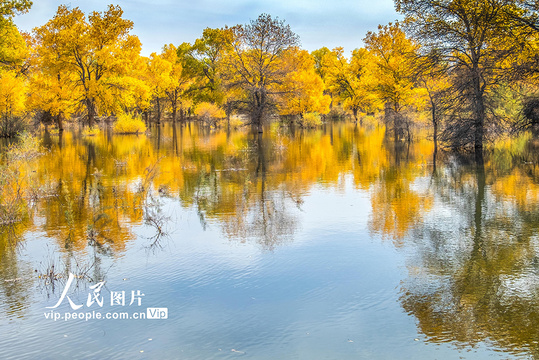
(311, 120)
(27, 148)
(336, 114)
(236, 121)
(209, 113)
(126, 124)
(91, 131)
(10, 126)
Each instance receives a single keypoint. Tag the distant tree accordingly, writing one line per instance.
(394, 54)
(94, 54)
(13, 67)
(12, 102)
(13, 50)
(351, 81)
(204, 63)
(318, 56)
(178, 84)
(158, 79)
(256, 63)
(303, 89)
(208, 53)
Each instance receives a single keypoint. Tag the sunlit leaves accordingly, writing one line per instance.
(393, 53)
(352, 81)
(483, 44)
(13, 83)
(12, 94)
(8, 8)
(13, 50)
(95, 54)
(302, 89)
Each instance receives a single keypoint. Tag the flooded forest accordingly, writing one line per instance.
(240, 196)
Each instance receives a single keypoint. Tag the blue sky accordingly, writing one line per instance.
(158, 22)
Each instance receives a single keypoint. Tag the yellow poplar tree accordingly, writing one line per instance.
(13, 87)
(13, 50)
(52, 90)
(94, 55)
(393, 54)
(158, 79)
(303, 89)
(178, 82)
(168, 82)
(12, 94)
(351, 81)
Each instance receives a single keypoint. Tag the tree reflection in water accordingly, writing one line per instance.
(468, 232)
(473, 272)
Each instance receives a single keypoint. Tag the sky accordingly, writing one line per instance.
(158, 22)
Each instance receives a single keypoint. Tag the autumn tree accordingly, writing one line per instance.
(94, 55)
(302, 89)
(393, 54)
(318, 57)
(52, 96)
(158, 79)
(351, 81)
(179, 82)
(169, 82)
(13, 55)
(256, 63)
(207, 55)
(12, 102)
(203, 62)
(479, 41)
(432, 75)
(13, 50)
(9, 8)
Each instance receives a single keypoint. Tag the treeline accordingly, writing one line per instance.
(466, 67)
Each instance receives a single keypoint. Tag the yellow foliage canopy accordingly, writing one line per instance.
(392, 54)
(12, 94)
(352, 82)
(94, 56)
(13, 50)
(303, 89)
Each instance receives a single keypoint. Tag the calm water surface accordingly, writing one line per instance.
(322, 244)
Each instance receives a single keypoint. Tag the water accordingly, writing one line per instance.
(333, 243)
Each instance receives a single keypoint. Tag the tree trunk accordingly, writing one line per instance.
(174, 106)
(158, 103)
(435, 129)
(259, 105)
(228, 111)
(395, 123)
(59, 122)
(90, 107)
(479, 122)
(478, 103)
